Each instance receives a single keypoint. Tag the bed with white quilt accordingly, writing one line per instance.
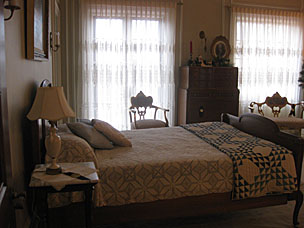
(238, 163)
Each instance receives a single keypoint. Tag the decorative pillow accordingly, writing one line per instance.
(86, 121)
(74, 149)
(91, 135)
(63, 128)
(111, 133)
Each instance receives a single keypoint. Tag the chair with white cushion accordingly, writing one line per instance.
(276, 103)
(138, 109)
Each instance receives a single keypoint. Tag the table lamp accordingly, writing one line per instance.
(50, 104)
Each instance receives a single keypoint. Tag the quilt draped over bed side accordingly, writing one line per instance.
(260, 167)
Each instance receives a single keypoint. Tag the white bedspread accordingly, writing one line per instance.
(164, 163)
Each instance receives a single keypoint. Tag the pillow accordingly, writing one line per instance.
(91, 135)
(86, 121)
(74, 149)
(111, 133)
(63, 128)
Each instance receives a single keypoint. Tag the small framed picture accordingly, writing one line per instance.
(220, 48)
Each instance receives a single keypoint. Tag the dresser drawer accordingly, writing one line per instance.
(213, 77)
(225, 77)
(211, 93)
(201, 109)
(199, 77)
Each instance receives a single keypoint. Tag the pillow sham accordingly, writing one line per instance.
(91, 135)
(63, 128)
(111, 133)
(74, 149)
(86, 121)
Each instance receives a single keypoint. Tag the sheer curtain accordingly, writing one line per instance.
(126, 47)
(267, 48)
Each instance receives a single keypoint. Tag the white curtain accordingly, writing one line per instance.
(126, 47)
(267, 48)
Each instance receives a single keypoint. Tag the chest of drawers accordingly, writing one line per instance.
(206, 92)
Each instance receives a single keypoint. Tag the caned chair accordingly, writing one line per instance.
(276, 103)
(137, 112)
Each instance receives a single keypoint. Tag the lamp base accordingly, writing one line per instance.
(53, 146)
(52, 171)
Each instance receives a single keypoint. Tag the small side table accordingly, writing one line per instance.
(80, 176)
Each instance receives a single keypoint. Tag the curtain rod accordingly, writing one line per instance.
(265, 6)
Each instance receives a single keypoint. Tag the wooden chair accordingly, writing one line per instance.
(139, 106)
(276, 103)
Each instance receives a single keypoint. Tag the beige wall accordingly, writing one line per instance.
(200, 15)
(23, 76)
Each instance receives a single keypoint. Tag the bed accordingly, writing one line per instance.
(143, 182)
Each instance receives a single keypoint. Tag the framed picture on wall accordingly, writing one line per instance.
(37, 14)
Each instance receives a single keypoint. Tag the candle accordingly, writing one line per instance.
(191, 47)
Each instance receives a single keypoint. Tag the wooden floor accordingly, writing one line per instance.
(269, 217)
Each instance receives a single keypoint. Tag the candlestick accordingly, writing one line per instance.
(190, 61)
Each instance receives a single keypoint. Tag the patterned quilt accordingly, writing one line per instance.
(259, 166)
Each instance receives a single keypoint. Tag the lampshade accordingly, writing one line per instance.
(50, 104)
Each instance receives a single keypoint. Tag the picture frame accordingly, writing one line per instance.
(220, 48)
(36, 27)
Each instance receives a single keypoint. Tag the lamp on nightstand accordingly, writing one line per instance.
(50, 104)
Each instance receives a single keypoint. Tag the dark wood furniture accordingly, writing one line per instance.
(137, 112)
(41, 190)
(206, 92)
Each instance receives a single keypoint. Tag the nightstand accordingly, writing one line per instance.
(80, 176)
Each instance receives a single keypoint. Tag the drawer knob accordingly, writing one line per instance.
(201, 111)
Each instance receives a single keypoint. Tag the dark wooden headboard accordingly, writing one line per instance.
(35, 148)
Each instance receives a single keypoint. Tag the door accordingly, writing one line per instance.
(7, 218)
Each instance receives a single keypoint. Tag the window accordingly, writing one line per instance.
(132, 57)
(127, 49)
(267, 51)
